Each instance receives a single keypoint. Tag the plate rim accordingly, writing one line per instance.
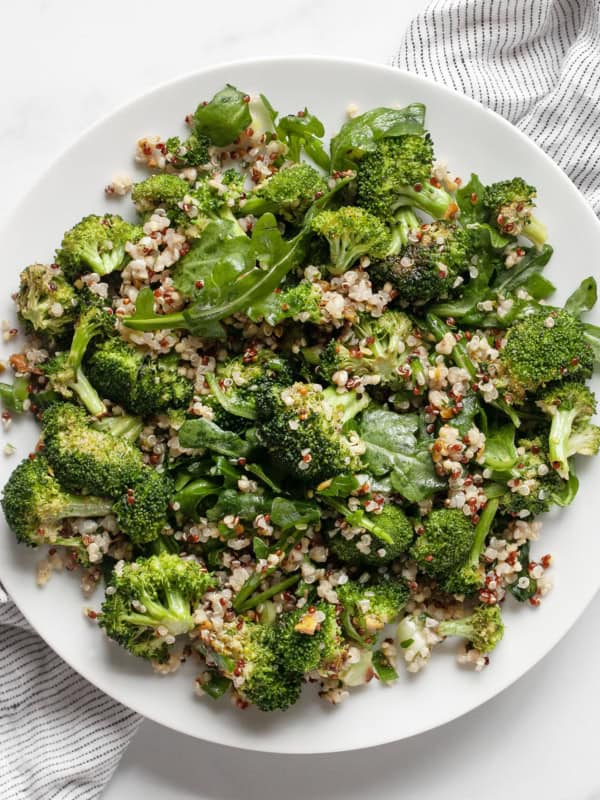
(203, 72)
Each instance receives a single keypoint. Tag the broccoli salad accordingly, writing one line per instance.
(311, 391)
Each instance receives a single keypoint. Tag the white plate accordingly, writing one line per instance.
(471, 139)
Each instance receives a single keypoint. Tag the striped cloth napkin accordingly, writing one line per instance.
(60, 738)
(535, 62)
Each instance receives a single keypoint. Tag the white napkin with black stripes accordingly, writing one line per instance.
(535, 62)
(60, 737)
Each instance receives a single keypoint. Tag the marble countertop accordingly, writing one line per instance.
(64, 64)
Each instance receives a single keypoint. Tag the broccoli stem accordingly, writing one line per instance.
(87, 394)
(482, 529)
(238, 408)
(405, 221)
(85, 506)
(457, 627)
(124, 427)
(434, 201)
(536, 232)
(349, 403)
(175, 616)
(257, 599)
(560, 431)
(358, 518)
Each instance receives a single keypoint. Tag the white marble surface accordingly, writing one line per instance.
(64, 64)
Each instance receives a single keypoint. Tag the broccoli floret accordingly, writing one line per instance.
(484, 629)
(96, 243)
(544, 347)
(398, 173)
(468, 577)
(35, 505)
(65, 373)
(368, 608)
(142, 510)
(160, 191)
(85, 458)
(191, 152)
(390, 531)
(533, 484)
(301, 302)
(303, 426)
(427, 268)
(46, 302)
(570, 405)
(373, 346)
(308, 639)
(160, 386)
(351, 232)
(142, 385)
(445, 543)
(113, 370)
(249, 646)
(153, 601)
(287, 194)
(510, 205)
(236, 382)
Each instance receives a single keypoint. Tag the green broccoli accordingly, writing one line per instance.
(398, 173)
(510, 205)
(288, 193)
(351, 233)
(483, 630)
(142, 510)
(426, 269)
(87, 459)
(160, 191)
(65, 372)
(46, 302)
(303, 426)
(97, 244)
(570, 405)
(308, 639)
(390, 526)
(367, 608)
(468, 578)
(123, 426)
(245, 650)
(301, 302)
(546, 346)
(141, 384)
(35, 505)
(152, 602)
(235, 383)
(190, 152)
(373, 346)
(445, 544)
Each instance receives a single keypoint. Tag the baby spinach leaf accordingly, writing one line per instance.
(224, 117)
(361, 134)
(500, 451)
(245, 505)
(287, 514)
(468, 198)
(395, 446)
(203, 433)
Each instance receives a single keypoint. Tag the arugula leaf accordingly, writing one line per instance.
(592, 337)
(525, 274)
(190, 497)
(395, 446)
(203, 433)
(361, 134)
(340, 486)
(224, 117)
(261, 550)
(584, 298)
